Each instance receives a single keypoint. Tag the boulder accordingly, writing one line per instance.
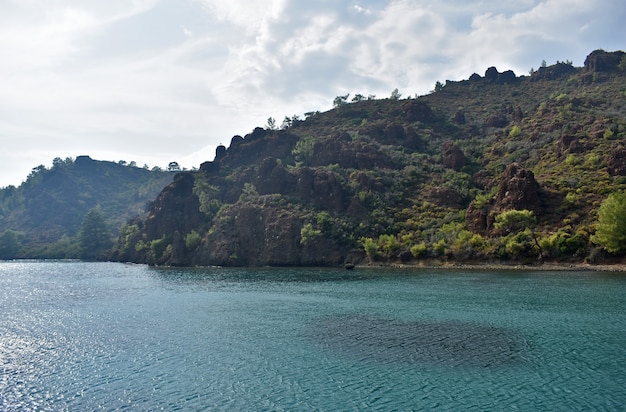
(601, 61)
(445, 197)
(453, 156)
(616, 162)
(507, 76)
(491, 74)
(518, 189)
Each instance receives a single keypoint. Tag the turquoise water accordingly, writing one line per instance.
(106, 336)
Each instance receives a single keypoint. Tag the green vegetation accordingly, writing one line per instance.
(192, 240)
(94, 236)
(43, 217)
(611, 226)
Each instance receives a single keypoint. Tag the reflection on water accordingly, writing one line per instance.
(209, 275)
(445, 343)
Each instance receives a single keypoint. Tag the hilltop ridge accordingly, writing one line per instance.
(497, 167)
(400, 180)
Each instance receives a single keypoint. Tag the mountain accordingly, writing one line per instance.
(497, 167)
(42, 217)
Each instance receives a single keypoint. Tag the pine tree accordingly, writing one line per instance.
(94, 237)
(611, 226)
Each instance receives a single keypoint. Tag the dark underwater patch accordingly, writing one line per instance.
(430, 342)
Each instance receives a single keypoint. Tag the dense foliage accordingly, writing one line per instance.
(44, 216)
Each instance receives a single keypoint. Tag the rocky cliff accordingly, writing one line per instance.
(395, 179)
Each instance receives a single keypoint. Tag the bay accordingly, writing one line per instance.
(109, 336)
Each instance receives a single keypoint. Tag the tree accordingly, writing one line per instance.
(9, 244)
(287, 122)
(395, 94)
(93, 237)
(271, 123)
(611, 227)
(192, 240)
(358, 98)
(518, 225)
(341, 100)
(208, 195)
(438, 86)
(515, 220)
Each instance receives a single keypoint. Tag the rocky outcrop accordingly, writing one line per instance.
(272, 177)
(453, 156)
(321, 188)
(569, 144)
(264, 233)
(445, 197)
(616, 162)
(259, 144)
(176, 209)
(553, 72)
(477, 217)
(493, 75)
(517, 189)
(602, 61)
(395, 134)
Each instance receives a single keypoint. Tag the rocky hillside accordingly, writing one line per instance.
(407, 179)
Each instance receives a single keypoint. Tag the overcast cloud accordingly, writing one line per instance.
(154, 81)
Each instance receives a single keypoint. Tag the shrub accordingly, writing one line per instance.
(388, 244)
(159, 246)
(515, 131)
(439, 248)
(371, 248)
(571, 160)
(419, 250)
(562, 244)
(520, 244)
(304, 148)
(308, 234)
(608, 134)
(192, 240)
(515, 220)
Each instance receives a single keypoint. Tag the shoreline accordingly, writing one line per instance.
(548, 266)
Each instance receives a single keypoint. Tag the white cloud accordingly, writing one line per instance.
(162, 80)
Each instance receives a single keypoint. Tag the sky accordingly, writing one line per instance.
(155, 81)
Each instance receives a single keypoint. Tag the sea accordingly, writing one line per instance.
(85, 336)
